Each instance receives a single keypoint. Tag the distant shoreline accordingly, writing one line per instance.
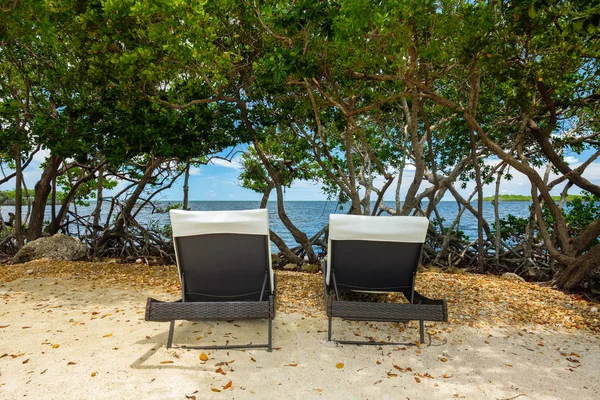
(516, 197)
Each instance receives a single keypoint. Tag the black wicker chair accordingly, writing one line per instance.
(377, 255)
(224, 264)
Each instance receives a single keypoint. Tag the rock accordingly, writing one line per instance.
(274, 259)
(57, 247)
(594, 309)
(29, 272)
(290, 266)
(512, 277)
(309, 268)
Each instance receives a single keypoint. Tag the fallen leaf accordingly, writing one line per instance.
(392, 375)
(215, 389)
(575, 354)
(71, 363)
(339, 365)
(447, 376)
(318, 390)
(203, 357)
(4, 326)
(227, 386)
(220, 371)
(43, 372)
(443, 359)
(94, 374)
(26, 361)
(55, 346)
(252, 359)
(290, 365)
(167, 362)
(26, 327)
(4, 355)
(417, 379)
(107, 335)
(508, 365)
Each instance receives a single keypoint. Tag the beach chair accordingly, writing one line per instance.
(377, 255)
(224, 263)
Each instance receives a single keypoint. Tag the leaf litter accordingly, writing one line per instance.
(472, 299)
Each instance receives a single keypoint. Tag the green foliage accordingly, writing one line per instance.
(579, 212)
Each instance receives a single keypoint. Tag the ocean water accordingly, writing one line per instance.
(312, 216)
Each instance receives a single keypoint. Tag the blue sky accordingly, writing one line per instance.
(219, 181)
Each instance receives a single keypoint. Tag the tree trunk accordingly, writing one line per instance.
(266, 194)
(40, 198)
(573, 274)
(298, 235)
(186, 187)
(125, 213)
(497, 243)
(284, 249)
(99, 194)
(18, 224)
(479, 201)
(56, 223)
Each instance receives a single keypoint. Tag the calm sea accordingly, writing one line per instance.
(311, 216)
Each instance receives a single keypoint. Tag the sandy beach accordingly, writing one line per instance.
(74, 338)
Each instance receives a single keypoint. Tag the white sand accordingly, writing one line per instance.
(100, 330)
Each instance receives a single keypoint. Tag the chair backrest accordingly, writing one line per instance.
(223, 255)
(374, 253)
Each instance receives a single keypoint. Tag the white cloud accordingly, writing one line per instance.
(571, 160)
(194, 171)
(41, 155)
(235, 163)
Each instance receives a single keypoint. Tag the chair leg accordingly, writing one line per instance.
(329, 330)
(270, 345)
(422, 331)
(170, 338)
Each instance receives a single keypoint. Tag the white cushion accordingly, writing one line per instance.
(371, 228)
(243, 222)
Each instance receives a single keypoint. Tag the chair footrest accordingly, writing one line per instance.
(163, 311)
(393, 312)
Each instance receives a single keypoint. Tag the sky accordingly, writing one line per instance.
(218, 181)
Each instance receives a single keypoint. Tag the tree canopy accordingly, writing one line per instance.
(372, 100)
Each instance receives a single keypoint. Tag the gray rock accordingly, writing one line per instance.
(512, 277)
(594, 309)
(290, 266)
(57, 247)
(309, 268)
